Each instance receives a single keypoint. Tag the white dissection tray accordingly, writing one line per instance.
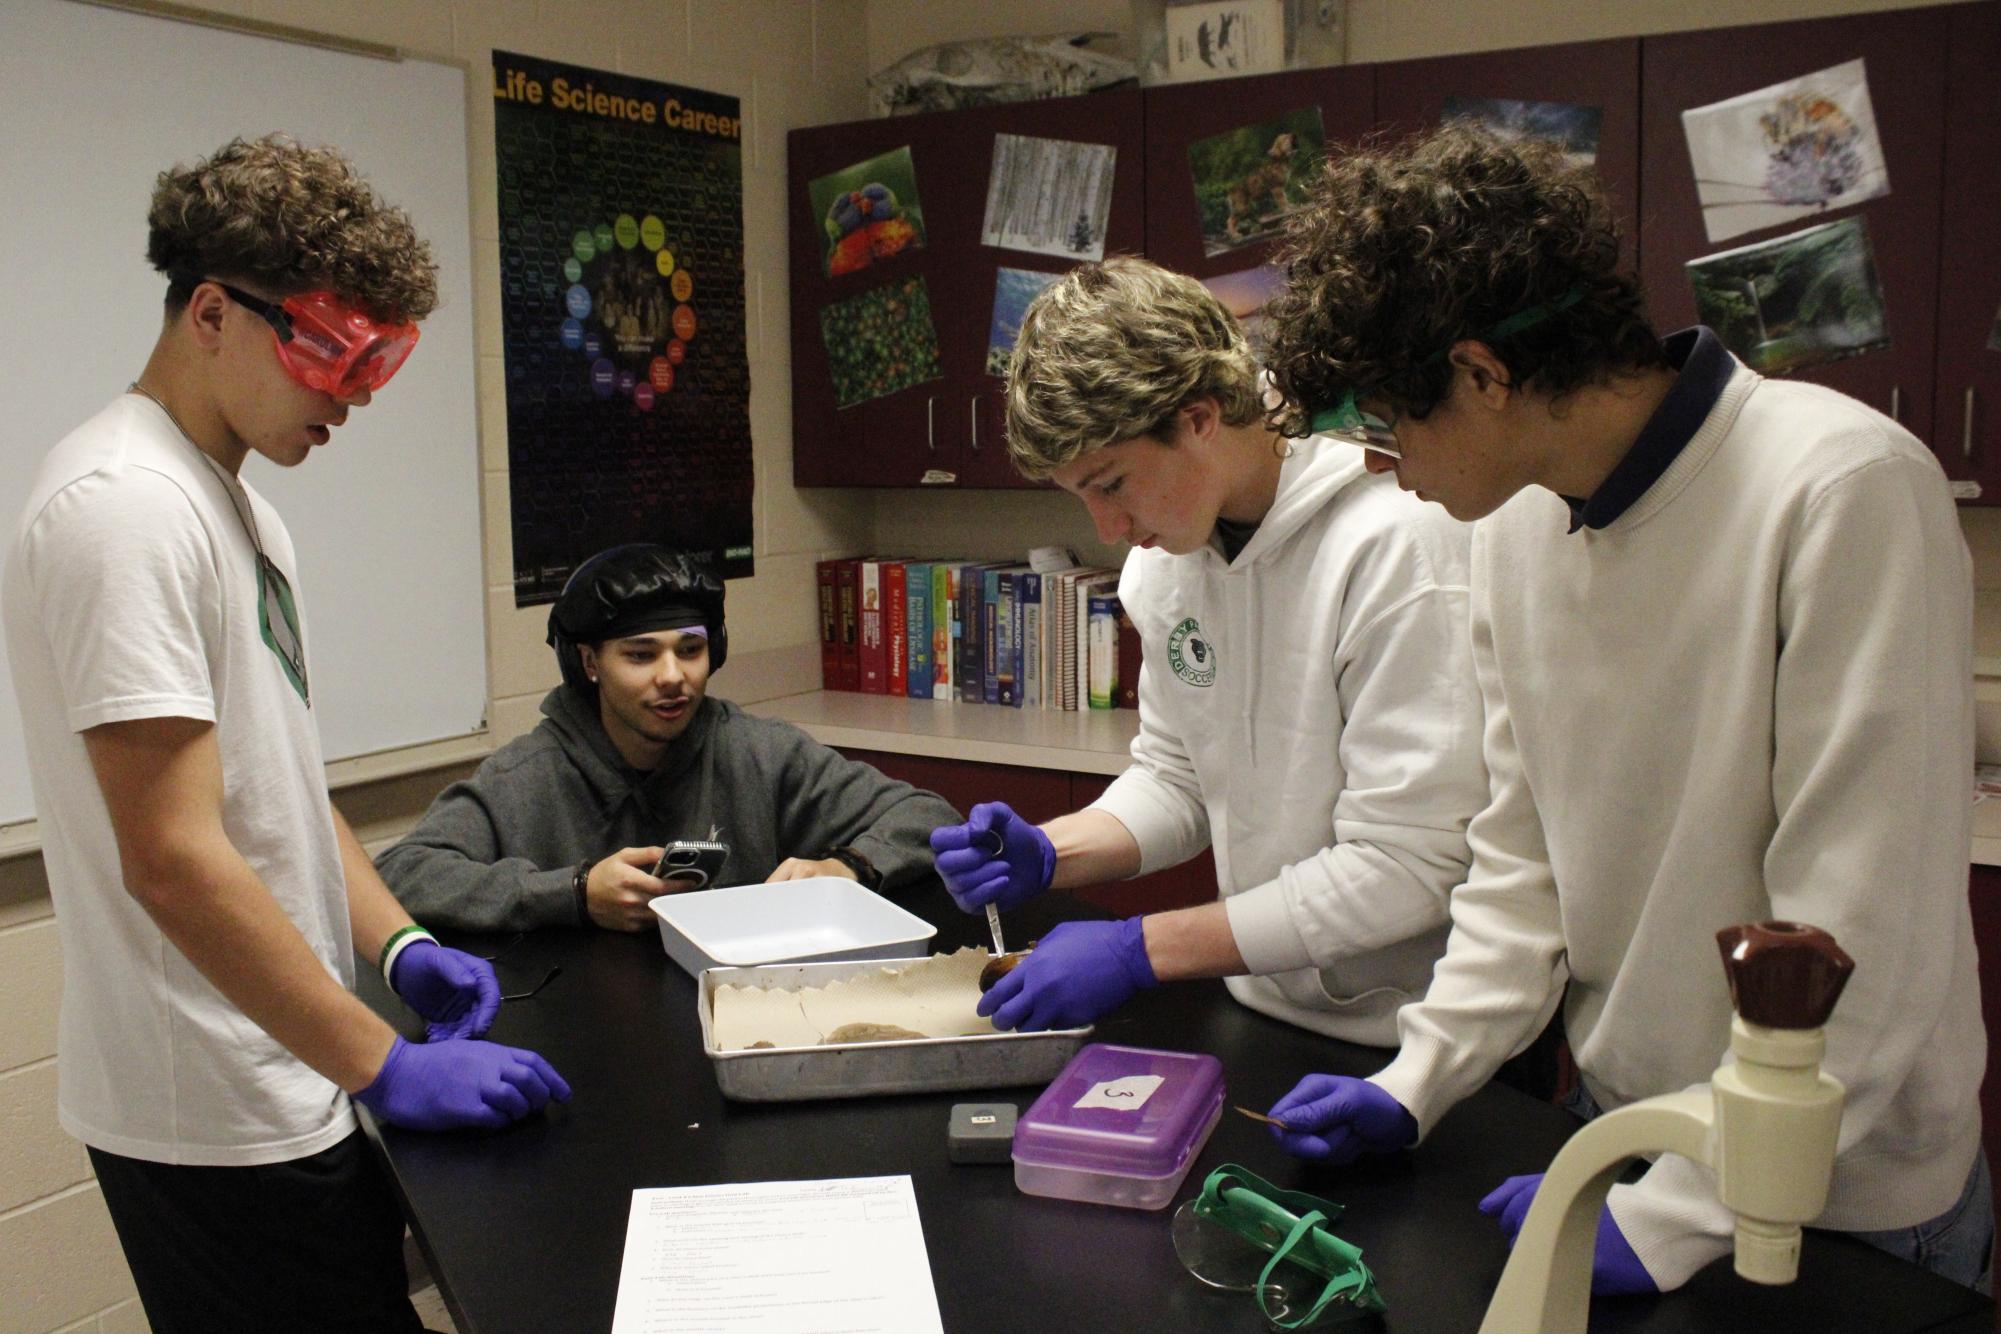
(789, 921)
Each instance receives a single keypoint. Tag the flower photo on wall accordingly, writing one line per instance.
(1786, 152)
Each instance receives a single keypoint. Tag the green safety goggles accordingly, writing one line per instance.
(1347, 421)
(1243, 1234)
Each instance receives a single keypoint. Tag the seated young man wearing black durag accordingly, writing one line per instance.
(567, 824)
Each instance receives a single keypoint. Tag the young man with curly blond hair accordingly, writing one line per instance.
(1722, 628)
(211, 902)
(1306, 698)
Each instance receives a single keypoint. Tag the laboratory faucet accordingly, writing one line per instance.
(1766, 1125)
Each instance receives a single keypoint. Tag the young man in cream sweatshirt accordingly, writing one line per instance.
(1722, 630)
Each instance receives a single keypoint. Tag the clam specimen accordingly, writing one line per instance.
(1000, 966)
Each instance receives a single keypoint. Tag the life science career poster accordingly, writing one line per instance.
(622, 316)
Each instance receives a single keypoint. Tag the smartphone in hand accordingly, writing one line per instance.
(691, 864)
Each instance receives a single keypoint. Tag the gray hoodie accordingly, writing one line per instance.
(497, 851)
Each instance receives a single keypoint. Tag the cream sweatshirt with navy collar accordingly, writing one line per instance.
(1309, 709)
(1747, 697)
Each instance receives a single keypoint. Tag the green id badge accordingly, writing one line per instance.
(278, 618)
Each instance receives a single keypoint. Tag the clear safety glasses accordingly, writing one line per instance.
(1243, 1234)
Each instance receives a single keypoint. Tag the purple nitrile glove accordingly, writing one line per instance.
(455, 1083)
(457, 992)
(978, 872)
(1338, 1118)
(1615, 1270)
(1080, 971)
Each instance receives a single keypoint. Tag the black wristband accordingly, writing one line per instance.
(580, 883)
(864, 869)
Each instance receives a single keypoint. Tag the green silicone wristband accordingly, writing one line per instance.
(382, 959)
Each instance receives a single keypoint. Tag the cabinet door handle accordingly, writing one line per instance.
(1895, 402)
(976, 422)
(1966, 426)
(930, 423)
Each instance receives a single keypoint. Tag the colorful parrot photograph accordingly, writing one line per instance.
(867, 212)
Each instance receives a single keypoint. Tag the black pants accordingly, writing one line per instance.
(315, 1244)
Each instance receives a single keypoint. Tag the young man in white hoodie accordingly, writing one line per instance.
(1306, 697)
(1722, 627)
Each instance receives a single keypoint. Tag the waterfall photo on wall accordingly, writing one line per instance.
(1797, 300)
(1013, 290)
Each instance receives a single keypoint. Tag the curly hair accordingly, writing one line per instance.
(1111, 352)
(276, 214)
(1407, 249)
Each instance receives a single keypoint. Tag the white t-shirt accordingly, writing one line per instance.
(131, 592)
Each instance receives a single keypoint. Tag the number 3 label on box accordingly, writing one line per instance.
(1126, 1094)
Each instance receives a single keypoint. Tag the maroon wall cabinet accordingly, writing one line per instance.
(896, 439)
(1931, 235)
(1117, 119)
(946, 431)
(1967, 416)
(1905, 51)
(1411, 97)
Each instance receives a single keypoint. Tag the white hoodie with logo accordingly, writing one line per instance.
(1310, 710)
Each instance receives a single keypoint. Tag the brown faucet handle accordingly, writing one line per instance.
(1783, 974)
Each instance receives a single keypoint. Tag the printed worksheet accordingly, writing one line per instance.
(803, 1257)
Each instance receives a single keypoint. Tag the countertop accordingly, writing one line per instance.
(1087, 741)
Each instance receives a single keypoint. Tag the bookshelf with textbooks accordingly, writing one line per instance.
(1045, 633)
(1043, 649)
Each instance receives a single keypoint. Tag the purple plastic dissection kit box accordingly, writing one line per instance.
(1121, 1125)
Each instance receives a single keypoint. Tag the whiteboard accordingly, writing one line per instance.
(95, 104)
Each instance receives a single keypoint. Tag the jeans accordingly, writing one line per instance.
(1958, 1244)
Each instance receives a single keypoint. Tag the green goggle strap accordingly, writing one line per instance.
(1278, 1221)
(1349, 1286)
(1347, 416)
(1344, 420)
(1534, 315)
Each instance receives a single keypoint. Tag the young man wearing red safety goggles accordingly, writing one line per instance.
(211, 902)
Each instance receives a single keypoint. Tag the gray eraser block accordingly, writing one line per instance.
(982, 1132)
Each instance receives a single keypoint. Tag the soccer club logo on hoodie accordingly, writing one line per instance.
(1193, 660)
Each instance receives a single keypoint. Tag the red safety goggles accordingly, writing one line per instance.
(326, 344)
